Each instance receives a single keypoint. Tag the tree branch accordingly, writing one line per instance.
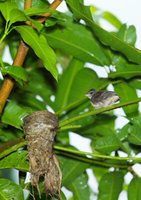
(22, 51)
(27, 4)
(53, 6)
(98, 111)
(92, 158)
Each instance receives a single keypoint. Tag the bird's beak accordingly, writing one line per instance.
(88, 95)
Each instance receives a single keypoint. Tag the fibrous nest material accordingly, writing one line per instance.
(40, 128)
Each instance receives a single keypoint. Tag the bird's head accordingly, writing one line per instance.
(90, 93)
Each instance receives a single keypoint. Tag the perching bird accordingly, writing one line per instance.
(100, 99)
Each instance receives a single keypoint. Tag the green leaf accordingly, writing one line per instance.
(60, 18)
(10, 190)
(108, 16)
(41, 48)
(127, 93)
(80, 188)
(134, 189)
(11, 13)
(31, 101)
(63, 138)
(110, 186)
(35, 3)
(43, 88)
(126, 71)
(7, 134)
(11, 146)
(71, 169)
(35, 11)
(111, 19)
(14, 114)
(119, 60)
(40, 3)
(73, 86)
(134, 134)
(131, 35)
(99, 171)
(123, 133)
(84, 80)
(107, 144)
(65, 83)
(50, 22)
(17, 160)
(127, 34)
(63, 197)
(78, 9)
(78, 41)
(135, 83)
(18, 73)
(38, 26)
(108, 39)
(17, 16)
(103, 126)
(6, 8)
(136, 120)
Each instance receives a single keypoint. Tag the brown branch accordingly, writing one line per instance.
(27, 4)
(53, 6)
(22, 51)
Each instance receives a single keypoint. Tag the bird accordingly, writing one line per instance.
(101, 99)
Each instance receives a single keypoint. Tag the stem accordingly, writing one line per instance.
(7, 149)
(130, 169)
(98, 111)
(131, 160)
(3, 37)
(69, 127)
(83, 100)
(93, 161)
(8, 83)
(71, 106)
(13, 146)
(86, 157)
(6, 32)
(1, 63)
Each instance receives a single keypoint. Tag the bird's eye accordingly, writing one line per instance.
(91, 91)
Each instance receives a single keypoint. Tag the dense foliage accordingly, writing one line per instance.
(67, 43)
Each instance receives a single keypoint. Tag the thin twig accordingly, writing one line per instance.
(98, 111)
(92, 158)
(22, 51)
(53, 6)
(11, 146)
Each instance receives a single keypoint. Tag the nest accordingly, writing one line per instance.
(40, 128)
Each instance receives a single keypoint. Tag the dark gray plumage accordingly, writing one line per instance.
(100, 99)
